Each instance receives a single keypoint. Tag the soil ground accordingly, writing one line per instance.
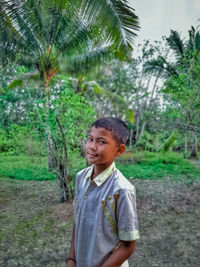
(35, 229)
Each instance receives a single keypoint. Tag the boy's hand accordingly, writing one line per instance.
(70, 264)
(69, 261)
(121, 253)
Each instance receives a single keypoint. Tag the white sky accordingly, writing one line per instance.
(157, 17)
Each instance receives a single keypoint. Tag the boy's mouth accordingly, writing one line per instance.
(92, 154)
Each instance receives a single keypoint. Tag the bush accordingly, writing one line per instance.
(75, 162)
(20, 139)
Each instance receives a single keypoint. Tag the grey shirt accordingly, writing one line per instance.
(105, 213)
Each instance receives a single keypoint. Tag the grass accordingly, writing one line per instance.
(138, 164)
(146, 165)
(25, 168)
(36, 229)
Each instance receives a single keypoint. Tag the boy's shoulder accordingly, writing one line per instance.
(84, 172)
(122, 183)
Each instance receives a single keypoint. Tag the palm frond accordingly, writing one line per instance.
(160, 66)
(21, 19)
(52, 19)
(193, 43)
(8, 43)
(43, 33)
(72, 37)
(24, 79)
(95, 87)
(190, 43)
(89, 59)
(176, 44)
(197, 41)
(116, 17)
(194, 39)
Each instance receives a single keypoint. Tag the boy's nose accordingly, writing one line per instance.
(93, 146)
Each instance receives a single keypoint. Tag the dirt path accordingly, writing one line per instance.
(169, 216)
(36, 229)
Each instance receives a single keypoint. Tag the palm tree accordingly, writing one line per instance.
(184, 51)
(182, 76)
(50, 36)
(45, 31)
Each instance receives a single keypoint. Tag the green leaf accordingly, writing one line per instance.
(130, 116)
(98, 89)
(15, 83)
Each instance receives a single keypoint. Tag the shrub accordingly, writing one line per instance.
(20, 139)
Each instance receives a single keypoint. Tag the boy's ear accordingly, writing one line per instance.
(121, 150)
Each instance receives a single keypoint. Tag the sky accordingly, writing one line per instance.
(157, 17)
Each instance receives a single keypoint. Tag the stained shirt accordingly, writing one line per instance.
(105, 213)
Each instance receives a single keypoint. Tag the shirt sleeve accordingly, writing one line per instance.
(76, 187)
(77, 183)
(127, 216)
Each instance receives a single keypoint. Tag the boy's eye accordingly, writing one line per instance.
(101, 142)
(90, 139)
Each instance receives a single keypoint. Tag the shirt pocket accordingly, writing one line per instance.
(109, 210)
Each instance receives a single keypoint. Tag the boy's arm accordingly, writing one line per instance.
(127, 220)
(121, 253)
(71, 263)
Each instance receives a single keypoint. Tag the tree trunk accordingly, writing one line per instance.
(142, 130)
(80, 85)
(186, 146)
(52, 162)
(157, 144)
(137, 128)
(147, 106)
(194, 147)
(65, 192)
(131, 139)
(57, 160)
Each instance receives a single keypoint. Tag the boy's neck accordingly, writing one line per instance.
(99, 168)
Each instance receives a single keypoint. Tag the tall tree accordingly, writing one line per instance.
(182, 79)
(53, 35)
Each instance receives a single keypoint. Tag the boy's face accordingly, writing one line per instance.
(101, 147)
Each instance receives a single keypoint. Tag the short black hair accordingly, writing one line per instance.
(116, 126)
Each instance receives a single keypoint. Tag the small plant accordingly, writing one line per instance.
(168, 144)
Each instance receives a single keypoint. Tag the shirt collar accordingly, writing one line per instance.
(103, 176)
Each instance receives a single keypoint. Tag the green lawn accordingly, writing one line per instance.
(140, 165)
(146, 165)
(25, 168)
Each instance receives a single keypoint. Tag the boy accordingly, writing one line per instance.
(106, 224)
